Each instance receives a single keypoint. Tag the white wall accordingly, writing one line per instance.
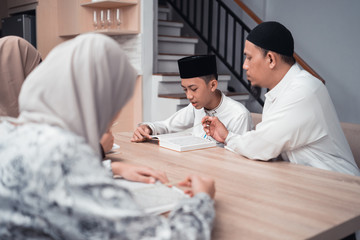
(327, 37)
(131, 44)
(139, 49)
(147, 32)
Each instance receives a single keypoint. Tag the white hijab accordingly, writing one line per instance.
(82, 84)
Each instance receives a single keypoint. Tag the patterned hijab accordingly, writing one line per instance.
(82, 84)
(17, 59)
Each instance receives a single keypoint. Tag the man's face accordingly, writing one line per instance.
(256, 66)
(197, 91)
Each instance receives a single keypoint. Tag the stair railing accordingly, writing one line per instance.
(222, 31)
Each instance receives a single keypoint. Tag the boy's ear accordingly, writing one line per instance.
(213, 85)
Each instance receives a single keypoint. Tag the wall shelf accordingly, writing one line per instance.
(108, 3)
(19, 3)
(110, 32)
(116, 32)
(76, 16)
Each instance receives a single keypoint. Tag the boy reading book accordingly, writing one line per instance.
(199, 80)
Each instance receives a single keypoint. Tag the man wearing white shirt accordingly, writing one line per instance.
(299, 121)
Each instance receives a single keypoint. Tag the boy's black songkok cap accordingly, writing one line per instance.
(197, 66)
(272, 36)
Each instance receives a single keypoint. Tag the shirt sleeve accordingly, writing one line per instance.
(290, 125)
(107, 164)
(179, 121)
(241, 123)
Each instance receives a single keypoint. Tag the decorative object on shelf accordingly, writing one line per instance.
(102, 19)
(113, 17)
(109, 20)
(118, 18)
(95, 20)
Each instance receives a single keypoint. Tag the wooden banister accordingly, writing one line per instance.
(249, 12)
(299, 60)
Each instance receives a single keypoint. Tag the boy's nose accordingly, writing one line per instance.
(189, 96)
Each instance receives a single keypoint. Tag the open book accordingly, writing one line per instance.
(154, 198)
(183, 141)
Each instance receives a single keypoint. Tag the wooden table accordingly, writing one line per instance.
(260, 200)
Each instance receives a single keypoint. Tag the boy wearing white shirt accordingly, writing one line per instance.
(199, 80)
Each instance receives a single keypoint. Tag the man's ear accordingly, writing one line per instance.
(213, 85)
(272, 59)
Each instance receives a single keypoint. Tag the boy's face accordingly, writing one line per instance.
(198, 92)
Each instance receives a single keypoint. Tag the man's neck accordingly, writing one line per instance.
(279, 74)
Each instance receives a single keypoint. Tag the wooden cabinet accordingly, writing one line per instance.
(77, 16)
(18, 6)
(19, 3)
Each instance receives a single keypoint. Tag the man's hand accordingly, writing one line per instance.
(214, 128)
(138, 173)
(142, 133)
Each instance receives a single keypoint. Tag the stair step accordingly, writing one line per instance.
(170, 28)
(168, 63)
(165, 56)
(175, 77)
(178, 39)
(163, 13)
(175, 87)
(176, 45)
(234, 95)
(171, 84)
(170, 23)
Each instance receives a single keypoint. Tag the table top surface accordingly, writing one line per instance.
(256, 199)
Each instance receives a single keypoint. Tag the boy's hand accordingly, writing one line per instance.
(141, 134)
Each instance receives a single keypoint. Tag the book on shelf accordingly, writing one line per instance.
(154, 198)
(183, 141)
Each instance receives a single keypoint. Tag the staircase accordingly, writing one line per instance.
(167, 93)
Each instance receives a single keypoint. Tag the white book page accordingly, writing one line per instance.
(186, 140)
(183, 141)
(171, 135)
(154, 198)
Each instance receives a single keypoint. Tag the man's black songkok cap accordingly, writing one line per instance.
(272, 36)
(197, 66)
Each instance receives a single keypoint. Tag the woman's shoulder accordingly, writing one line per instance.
(41, 140)
(47, 134)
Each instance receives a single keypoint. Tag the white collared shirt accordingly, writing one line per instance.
(231, 113)
(299, 122)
